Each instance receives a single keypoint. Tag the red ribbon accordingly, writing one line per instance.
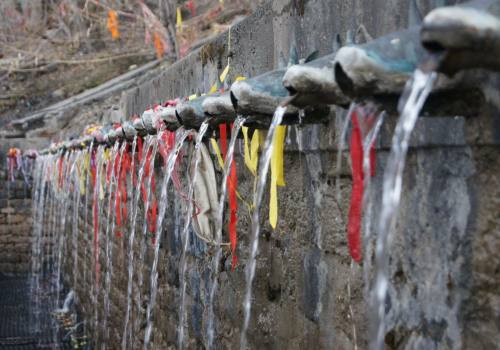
(356, 205)
(232, 183)
(223, 139)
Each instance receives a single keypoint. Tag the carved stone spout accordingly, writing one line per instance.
(190, 113)
(219, 107)
(463, 37)
(380, 67)
(260, 95)
(258, 98)
(129, 130)
(314, 83)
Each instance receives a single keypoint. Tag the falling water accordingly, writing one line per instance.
(67, 302)
(87, 241)
(36, 267)
(135, 207)
(76, 208)
(298, 130)
(54, 244)
(367, 205)
(99, 159)
(412, 101)
(219, 222)
(143, 239)
(64, 203)
(185, 233)
(172, 158)
(254, 238)
(109, 233)
(342, 126)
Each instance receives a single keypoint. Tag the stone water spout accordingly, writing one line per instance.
(463, 37)
(169, 117)
(219, 107)
(314, 83)
(129, 131)
(258, 98)
(190, 113)
(150, 121)
(112, 135)
(381, 67)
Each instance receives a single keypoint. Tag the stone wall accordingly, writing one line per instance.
(15, 212)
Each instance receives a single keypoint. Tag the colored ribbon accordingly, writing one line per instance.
(354, 223)
(251, 154)
(357, 151)
(277, 173)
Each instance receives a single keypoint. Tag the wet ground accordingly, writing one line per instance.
(16, 326)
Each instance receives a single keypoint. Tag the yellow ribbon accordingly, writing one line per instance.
(251, 152)
(83, 176)
(277, 173)
(179, 19)
(213, 89)
(223, 75)
(215, 146)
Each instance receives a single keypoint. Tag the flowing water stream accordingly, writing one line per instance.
(172, 159)
(143, 239)
(115, 163)
(411, 103)
(255, 230)
(186, 232)
(75, 218)
(238, 123)
(135, 207)
(99, 161)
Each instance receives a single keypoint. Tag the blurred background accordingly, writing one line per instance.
(53, 49)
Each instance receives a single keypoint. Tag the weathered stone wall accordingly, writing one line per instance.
(307, 293)
(15, 212)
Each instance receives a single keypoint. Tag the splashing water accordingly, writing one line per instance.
(412, 101)
(135, 206)
(238, 123)
(67, 302)
(254, 238)
(172, 158)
